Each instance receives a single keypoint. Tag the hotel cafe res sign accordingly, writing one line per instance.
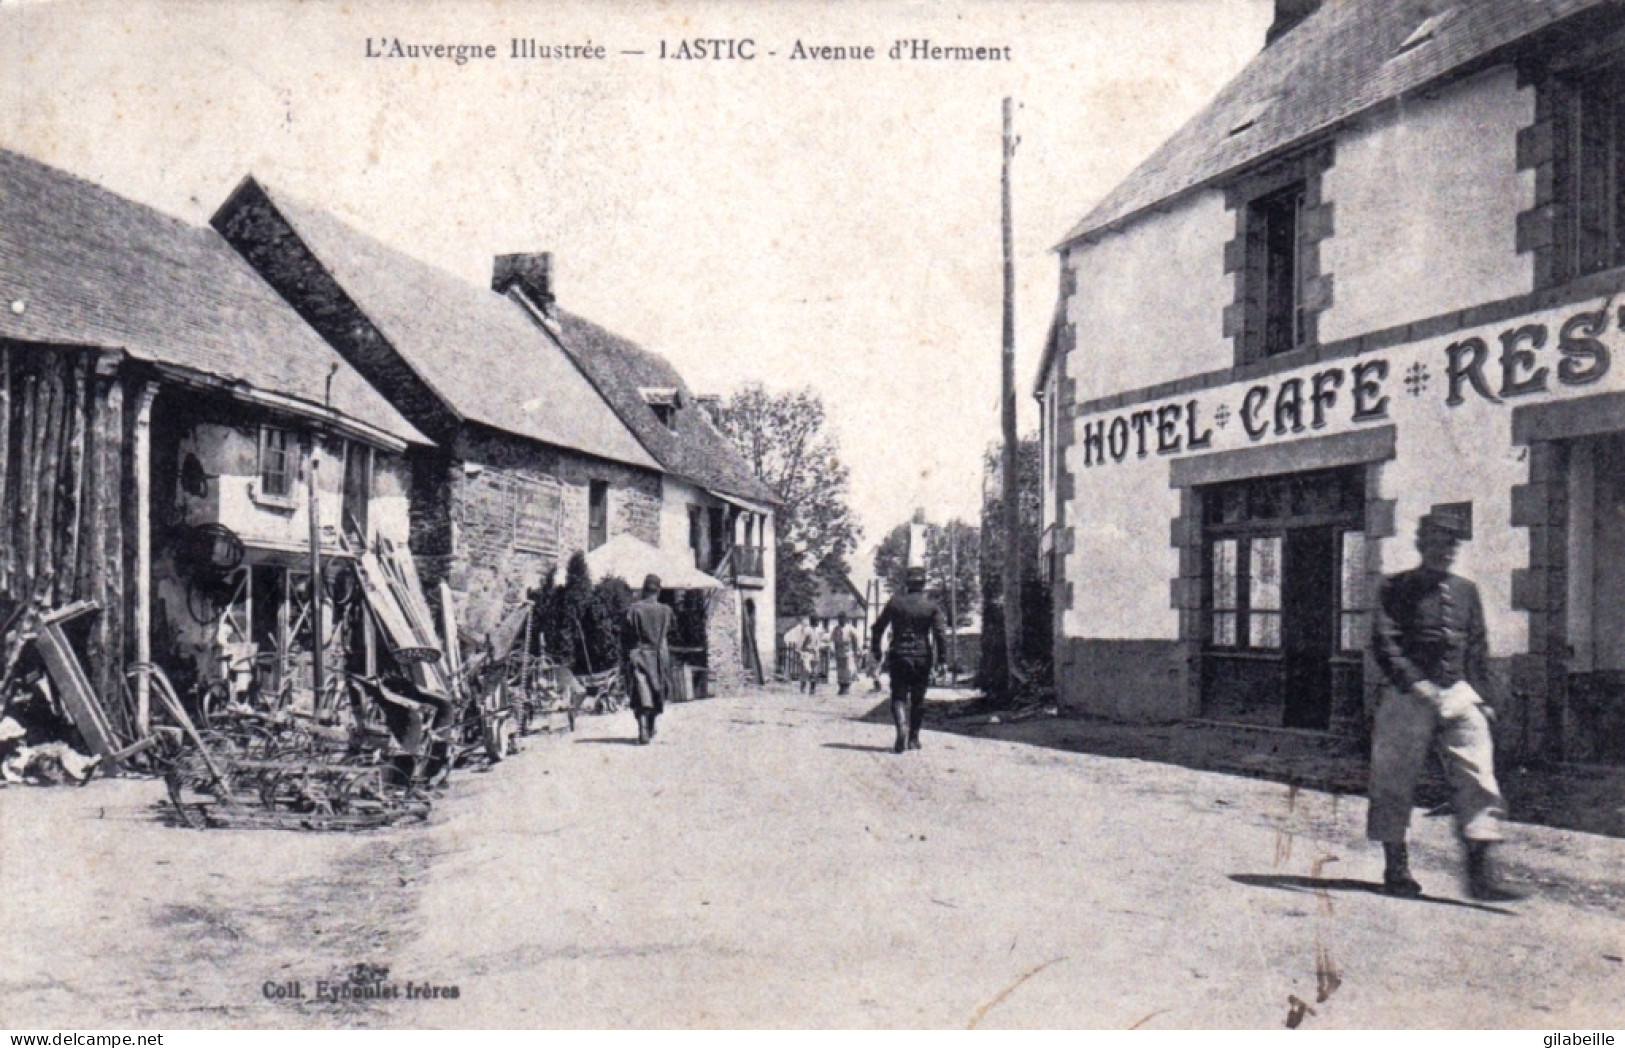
(1558, 353)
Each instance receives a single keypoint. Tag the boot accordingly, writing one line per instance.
(652, 718)
(643, 728)
(1485, 880)
(899, 717)
(1396, 875)
(916, 717)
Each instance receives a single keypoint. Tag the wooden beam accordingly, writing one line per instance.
(5, 466)
(28, 503)
(50, 475)
(69, 584)
(141, 463)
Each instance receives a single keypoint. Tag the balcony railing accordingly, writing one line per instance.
(749, 561)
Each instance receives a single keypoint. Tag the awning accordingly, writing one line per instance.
(739, 502)
(631, 559)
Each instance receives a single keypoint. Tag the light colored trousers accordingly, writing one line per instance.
(1407, 726)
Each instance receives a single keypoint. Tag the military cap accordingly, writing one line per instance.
(1454, 520)
(651, 583)
(915, 574)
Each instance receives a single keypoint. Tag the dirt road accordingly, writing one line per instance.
(769, 862)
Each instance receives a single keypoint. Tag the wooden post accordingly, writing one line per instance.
(69, 581)
(5, 468)
(1011, 493)
(106, 648)
(141, 463)
(50, 475)
(317, 655)
(28, 502)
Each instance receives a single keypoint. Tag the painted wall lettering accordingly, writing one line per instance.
(1141, 421)
(1585, 360)
(1094, 443)
(1323, 394)
(1168, 429)
(1117, 438)
(1369, 403)
(1289, 406)
(1514, 360)
(1464, 362)
(1192, 440)
(1250, 406)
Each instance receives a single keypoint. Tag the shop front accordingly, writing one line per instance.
(1288, 494)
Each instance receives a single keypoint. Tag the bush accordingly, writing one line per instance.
(581, 622)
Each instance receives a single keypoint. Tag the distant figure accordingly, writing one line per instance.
(844, 641)
(919, 641)
(648, 657)
(793, 639)
(812, 644)
(1430, 643)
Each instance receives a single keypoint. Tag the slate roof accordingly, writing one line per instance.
(480, 356)
(696, 450)
(1344, 59)
(93, 268)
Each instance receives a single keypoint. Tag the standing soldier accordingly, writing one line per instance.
(648, 657)
(919, 641)
(1431, 647)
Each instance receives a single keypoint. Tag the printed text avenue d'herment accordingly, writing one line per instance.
(699, 49)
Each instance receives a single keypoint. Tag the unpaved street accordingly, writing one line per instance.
(769, 862)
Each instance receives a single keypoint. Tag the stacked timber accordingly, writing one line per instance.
(63, 468)
(389, 580)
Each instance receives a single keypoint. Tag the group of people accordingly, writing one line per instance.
(1429, 643)
(815, 649)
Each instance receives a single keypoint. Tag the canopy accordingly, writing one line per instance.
(632, 559)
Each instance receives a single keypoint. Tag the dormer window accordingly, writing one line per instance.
(1430, 28)
(664, 402)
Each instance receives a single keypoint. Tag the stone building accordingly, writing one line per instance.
(529, 463)
(161, 408)
(551, 434)
(713, 509)
(1379, 273)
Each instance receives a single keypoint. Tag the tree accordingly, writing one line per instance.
(947, 547)
(784, 439)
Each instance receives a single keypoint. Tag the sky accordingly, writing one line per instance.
(832, 224)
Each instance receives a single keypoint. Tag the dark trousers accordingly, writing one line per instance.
(909, 679)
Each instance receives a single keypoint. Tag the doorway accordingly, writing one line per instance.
(1282, 605)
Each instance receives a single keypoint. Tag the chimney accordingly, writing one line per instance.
(533, 274)
(1288, 13)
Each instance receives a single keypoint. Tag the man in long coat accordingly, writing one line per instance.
(648, 657)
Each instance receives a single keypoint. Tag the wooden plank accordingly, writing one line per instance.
(78, 697)
(68, 580)
(50, 475)
(28, 489)
(5, 465)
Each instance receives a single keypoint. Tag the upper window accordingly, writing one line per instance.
(1275, 269)
(597, 513)
(1280, 290)
(1595, 186)
(277, 449)
(664, 402)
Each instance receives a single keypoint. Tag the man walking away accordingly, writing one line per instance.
(793, 638)
(648, 657)
(919, 642)
(1431, 647)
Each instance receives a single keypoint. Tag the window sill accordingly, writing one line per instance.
(279, 503)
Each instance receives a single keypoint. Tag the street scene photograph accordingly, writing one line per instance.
(1010, 514)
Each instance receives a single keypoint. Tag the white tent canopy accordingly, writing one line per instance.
(631, 559)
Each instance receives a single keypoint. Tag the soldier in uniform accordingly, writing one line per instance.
(648, 657)
(919, 642)
(1430, 644)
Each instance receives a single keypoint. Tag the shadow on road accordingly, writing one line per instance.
(1291, 883)
(606, 742)
(856, 748)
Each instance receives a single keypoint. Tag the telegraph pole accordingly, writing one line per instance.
(1012, 507)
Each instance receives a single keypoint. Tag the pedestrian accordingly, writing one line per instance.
(919, 642)
(648, 657)
(811, 644)
(844, 641)
(1430, 645)
(793, 661)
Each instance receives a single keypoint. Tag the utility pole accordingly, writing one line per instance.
(953, 600)
(1012, 506)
